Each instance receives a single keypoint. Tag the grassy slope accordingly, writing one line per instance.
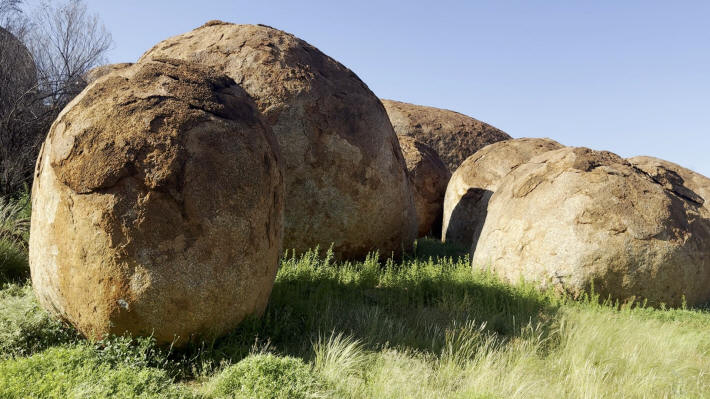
(421, 328)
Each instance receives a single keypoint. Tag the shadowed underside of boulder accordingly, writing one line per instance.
(578, 219)
(452, 135)
(429, 177)
(157, 206)
(475, 181)
(345, 176)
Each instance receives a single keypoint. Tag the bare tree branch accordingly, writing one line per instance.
(62, 42)
(67, 42)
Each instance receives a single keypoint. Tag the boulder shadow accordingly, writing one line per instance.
(431, 247)
(467, 219)
(413, 314)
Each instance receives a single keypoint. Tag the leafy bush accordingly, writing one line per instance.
(266, 376)
(25, 327)
(77, 372)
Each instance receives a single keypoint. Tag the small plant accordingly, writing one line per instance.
(267, 376)
(132, 352)
(339, 356)
(463, 342)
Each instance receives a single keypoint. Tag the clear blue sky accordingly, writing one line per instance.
(632, 77)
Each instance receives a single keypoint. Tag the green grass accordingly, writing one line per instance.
(78, 372)
(425, 327)
(269, 377)
(25, 328)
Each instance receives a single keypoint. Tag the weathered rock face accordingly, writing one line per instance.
(429, 177)
(157, 206)
(452, 135)
(575, 218)
(473, 183)
(345, 175)
(18, 73)
(675, 177)
(103, 70)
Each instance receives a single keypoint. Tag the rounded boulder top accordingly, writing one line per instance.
(157, 206)
(577, 219)
(686, 182)
(345, 176)
(454, 136)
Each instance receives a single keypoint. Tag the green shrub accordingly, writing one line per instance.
(266, 376)
(15, 216)
(14, 236)
(14, 264)
(25, 327)
(77, 372)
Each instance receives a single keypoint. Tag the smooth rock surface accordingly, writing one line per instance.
(574, 219)
(429, 177)
(346, 180)
(473, 183)
(452, 135)
(157, 206)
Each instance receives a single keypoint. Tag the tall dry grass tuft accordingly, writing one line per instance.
(587, 354)
(14, 237)
(339, 357)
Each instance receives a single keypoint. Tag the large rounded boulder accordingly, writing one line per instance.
(429, 177)
(478, 177)
(577, 219)
(346, 180)
(18, 74)
(157, 206)
(452, 135)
